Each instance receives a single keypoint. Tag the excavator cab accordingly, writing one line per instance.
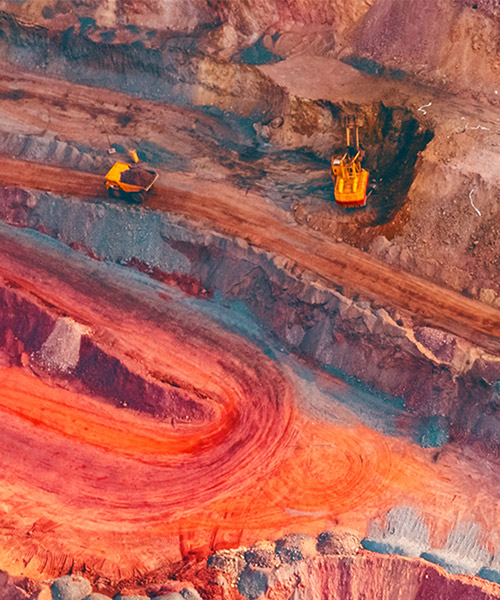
(351, 180)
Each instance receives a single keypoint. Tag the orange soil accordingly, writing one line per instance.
(118, 490)
(86, 483)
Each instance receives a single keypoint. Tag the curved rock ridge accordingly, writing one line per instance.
(196, 374)
(102, 487)
(229, 576)
(372, 574)
(434, 373)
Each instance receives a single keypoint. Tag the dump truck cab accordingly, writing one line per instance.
(129, 181)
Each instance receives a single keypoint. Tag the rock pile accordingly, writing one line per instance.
(254, 570)
(76, 587)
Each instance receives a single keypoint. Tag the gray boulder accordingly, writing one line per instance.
(190, 594)
(296, 546)
(253, 583)
(230, 562)
(262, 555)
(70, 587)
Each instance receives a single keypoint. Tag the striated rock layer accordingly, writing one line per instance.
(176, 391)
(249, 444)
(355, 577)
(434, 373)
(450, 43)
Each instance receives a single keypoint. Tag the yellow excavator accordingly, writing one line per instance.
(351, 180)
(129, 181)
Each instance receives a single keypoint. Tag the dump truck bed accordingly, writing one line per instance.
(140, 177)
(130, 179)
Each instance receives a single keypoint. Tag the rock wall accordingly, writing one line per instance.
(451, 238)
(299, 567)
(435, 374)
(172, 69)
(448, 43)
(291, 568)
(242, 22)
(34, 336)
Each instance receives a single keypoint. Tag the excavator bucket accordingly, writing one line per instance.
(133, 155)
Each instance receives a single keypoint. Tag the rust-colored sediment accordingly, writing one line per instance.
(123, 492)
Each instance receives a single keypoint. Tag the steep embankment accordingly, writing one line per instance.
(442, 215)
(451, 44)
(293, 295)
(176, 394)
(432, 189)
(293, 567)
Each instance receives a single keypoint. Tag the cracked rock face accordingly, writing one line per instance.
(446, 42)
(434, 372)
(353, 572)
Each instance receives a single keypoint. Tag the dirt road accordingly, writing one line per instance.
(258, 222)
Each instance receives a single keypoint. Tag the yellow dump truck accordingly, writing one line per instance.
(130, 181)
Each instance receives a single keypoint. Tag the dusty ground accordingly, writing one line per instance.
(445, 240)
(125, 477)
(150, 418)
(271, 229)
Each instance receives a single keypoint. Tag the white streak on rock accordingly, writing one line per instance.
(405, 532)
(472, 203)
(464, 552)
(423, 107)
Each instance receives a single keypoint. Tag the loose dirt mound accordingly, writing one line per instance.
(138, 177)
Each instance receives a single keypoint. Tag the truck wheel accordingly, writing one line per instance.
(114, 192)
(137, 197)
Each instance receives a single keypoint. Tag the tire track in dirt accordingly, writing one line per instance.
(263, 225)
(120, 486)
